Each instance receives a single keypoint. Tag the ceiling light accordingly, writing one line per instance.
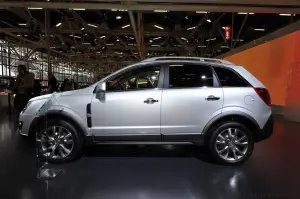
(59, 24)
(35, 8)
(245, 13)
(118, 17)
(102, 36)
(117, 40)
(19, 35)
(259, 29)
(161, 11)
(120, 10)
(126, 26)
(201, 12)
(159, 27)
(150, 41)
(202, 46)
(208, 20)
(285, 14)
(223, 27)
(78, 8)
(22, 24)
(92, 25)
(75, 36)
(156, 38)
(183, 38)
(191, 28)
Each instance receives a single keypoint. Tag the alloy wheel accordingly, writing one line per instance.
(231, 144)
(56, 142)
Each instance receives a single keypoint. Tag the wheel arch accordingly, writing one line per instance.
(57, 115)
(240, 117)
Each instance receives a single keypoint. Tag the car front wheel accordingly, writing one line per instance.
(59, 142)
(231, 143)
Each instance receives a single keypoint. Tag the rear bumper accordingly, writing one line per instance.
(266, 131)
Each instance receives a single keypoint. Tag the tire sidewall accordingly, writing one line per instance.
(78, 142)
(218, 130)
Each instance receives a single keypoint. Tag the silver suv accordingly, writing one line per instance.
(162, 100)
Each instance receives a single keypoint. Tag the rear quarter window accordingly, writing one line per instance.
(229, 78)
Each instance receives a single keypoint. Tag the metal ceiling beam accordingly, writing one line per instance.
(105, 32)
(140, 31)
(232, 2)
(154, 6)
(133, 25)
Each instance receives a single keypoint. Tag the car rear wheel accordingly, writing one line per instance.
(59, 142)
(231, 143)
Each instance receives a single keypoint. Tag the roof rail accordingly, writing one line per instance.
(201, 59)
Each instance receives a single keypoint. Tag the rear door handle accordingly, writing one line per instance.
(212, 98)
(150, 101)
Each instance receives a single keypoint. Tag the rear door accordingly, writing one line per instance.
(191, 97)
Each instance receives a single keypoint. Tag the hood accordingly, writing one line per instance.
(42, 97)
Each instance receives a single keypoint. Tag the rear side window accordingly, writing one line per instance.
(189, 76)
(229, 78)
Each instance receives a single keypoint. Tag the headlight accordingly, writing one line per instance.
(27, 105)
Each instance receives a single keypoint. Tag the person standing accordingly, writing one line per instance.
(36, 90)
(73, 85)
(23, 85)
(52, 83)
(65, 86)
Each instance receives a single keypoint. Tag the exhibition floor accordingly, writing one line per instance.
(131, 172)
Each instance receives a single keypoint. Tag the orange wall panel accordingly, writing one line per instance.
(270, 63)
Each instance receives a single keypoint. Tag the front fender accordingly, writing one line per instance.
(63, 112)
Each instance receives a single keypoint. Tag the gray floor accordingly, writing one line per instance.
(129, 172)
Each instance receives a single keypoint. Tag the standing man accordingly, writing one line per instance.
(52, 83)
(23, 85)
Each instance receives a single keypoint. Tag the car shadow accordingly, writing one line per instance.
(155, 151)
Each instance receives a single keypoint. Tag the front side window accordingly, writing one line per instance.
(189, 76)
(228, 78)
(141, 78)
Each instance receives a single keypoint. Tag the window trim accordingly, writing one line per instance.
(216, 83)
(236, 73)
(141, 66)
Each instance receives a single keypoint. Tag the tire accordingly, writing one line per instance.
(67, 136)
(216, 144)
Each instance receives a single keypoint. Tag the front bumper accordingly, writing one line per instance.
(25, 121)
(266, 131)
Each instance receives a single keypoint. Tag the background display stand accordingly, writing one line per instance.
(45, 170)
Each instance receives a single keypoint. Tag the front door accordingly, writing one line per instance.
(131, 109)
(190, 100)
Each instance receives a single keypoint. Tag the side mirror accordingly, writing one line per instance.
(100, 91)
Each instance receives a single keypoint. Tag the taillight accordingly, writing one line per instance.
(264, 95)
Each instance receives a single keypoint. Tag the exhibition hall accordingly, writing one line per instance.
(142, 99)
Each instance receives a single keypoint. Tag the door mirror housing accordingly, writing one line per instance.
(100, 91)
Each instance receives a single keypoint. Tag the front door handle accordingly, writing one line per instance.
(212, 98)
(150, 101)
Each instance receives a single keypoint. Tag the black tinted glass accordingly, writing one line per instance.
(229, 78)
(186, 76)
(142, 78)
